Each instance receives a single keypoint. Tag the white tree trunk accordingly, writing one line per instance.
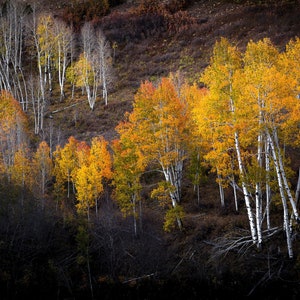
(298, 188)
(221, 191)
(285, 181)
(258, 194)
(235, 194)
(173, 175)
(283, 198)
(268, 188)
(245, 190)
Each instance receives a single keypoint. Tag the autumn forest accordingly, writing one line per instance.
(189, 184)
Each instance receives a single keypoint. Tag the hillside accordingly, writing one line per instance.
(143, 53)
(43, 252)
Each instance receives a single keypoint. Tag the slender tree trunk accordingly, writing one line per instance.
(60, 73)
(258, 194)
(268, 188)
(221, 191)
(197, 188)
(245, 190)
(284, 177)
(235, 194)
(134, 216)
(173, 176)
(283, 199)
(297, 189)
(40, 109)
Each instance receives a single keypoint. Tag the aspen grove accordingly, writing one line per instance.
(237, 123)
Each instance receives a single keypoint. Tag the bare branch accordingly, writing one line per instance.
(239, 243)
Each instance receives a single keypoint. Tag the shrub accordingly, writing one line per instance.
(78, 12)
(149, 19)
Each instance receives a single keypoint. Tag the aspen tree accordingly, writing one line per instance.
(65, 163)
(38, 105)
(39, 90)
(11, 54)
(289, 65)
(21, 171)
(197, 145)
(100, 165)
(93, 69)
(63, 51)
(46, 43)
(274, 93)
(259, 59)
(128, 165)
(94, 166)
(103, 59)
(86, 78)
(89, 77)
(80, 174)
(252, 106)
(219, 78)
(42, 166)
(13, 130)
(160, 120)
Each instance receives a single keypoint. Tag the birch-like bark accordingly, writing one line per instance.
(297, 189)
(258, 194)
(41, 91)
(64, 45)
(103, 64)
(102, 59)
(245, 190)
(284, 177)
(5, 54)
(221, 191)
(253, 230)
(268, 188)
(173, 175)
(12, 33)
(235, 194)
(286, 224)
(36, 102)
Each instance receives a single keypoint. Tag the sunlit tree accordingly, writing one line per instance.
(21, 172)
(249, 114)
(65, 162)
(128, 165)
(160, 119)
(42, 168)
(13, 130)
(94, 167)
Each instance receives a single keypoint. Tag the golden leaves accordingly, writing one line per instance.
(86, 166)
(249, 93)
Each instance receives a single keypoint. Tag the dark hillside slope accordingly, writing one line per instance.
(151, 42)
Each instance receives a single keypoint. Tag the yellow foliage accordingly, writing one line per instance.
(13, 130)
(248, 94)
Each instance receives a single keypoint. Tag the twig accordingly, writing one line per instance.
(138, 278)
(66, 107)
